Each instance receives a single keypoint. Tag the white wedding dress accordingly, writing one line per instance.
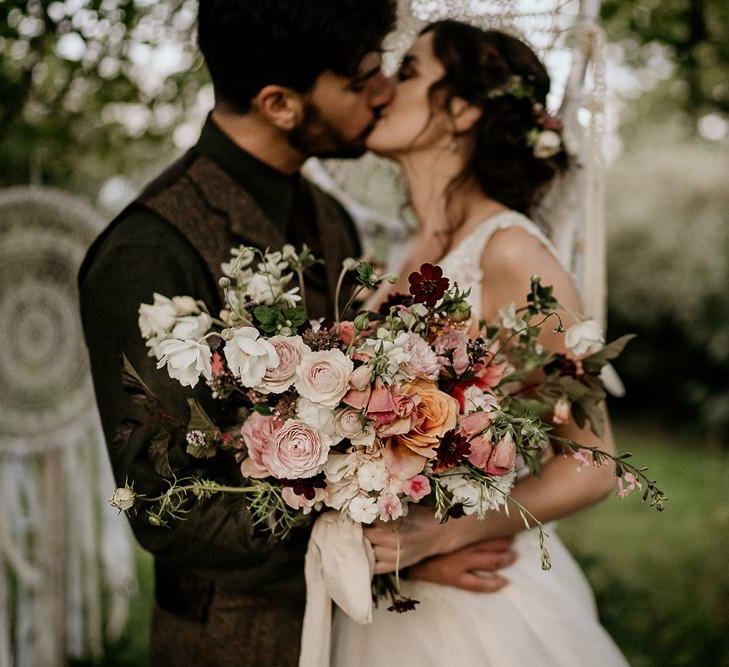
(540, 619)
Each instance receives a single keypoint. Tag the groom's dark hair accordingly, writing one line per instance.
(249, 44)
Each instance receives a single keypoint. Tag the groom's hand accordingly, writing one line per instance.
(473, 568)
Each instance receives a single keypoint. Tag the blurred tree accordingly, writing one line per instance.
(79, 78)
(696, 33)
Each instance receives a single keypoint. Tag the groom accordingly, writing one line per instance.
(292, 79)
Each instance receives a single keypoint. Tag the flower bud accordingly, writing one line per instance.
(362, 321)
(350, 264)
(224, 282)
(123, 498)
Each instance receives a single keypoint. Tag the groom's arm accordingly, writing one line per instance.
(217, 532)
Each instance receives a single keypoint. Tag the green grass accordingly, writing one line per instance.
(661, 579)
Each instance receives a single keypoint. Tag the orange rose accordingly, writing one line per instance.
(436, 413)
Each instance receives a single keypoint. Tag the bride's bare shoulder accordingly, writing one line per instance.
(512, 255)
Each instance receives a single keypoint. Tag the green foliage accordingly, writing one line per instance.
(79, 80)
(668, 271)
(696, 34)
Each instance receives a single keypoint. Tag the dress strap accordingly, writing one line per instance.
(478, 241)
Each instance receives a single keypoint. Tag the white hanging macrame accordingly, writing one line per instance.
(66, 558)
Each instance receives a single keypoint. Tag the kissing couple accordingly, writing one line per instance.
(465, 119)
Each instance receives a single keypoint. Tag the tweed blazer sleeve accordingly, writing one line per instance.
(125, 272)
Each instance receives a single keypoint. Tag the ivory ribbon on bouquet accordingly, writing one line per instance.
(339, 567)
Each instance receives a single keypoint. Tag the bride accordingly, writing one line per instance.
(467, 125)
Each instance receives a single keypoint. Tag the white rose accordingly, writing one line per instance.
(364, 509)
(156, 319)
(185, 305)
(350, 424)
(318, 417)
(192, 326)
(585, 338)
(249, 356)
(186, 360)
(323, 377)
(548, 144)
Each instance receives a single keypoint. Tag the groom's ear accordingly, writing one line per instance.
(280, 106)
(464, 115)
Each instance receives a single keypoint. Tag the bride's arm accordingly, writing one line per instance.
(511, 258)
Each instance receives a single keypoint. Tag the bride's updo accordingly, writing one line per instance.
(517, 147)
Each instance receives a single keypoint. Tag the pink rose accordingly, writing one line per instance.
(417, 487)
(423, 361)
(475, 423)
(381, 406)
(390, 507)
(503, 458)
(357, 399)
(403, 420)
(258, 433)
(481, 450)
(323, 377)
(290, 350)
(347, 332)
(457, 342)
(298, 450)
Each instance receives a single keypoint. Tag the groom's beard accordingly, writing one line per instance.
(316, 136)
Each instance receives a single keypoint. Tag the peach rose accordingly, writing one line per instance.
(434, 415)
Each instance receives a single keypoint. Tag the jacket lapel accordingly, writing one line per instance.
(248, 224)
(336, 234)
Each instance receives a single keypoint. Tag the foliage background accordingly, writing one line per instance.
(97, 95)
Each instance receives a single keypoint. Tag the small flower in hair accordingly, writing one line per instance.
(547, 144)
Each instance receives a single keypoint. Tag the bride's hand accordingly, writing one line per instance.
(409, 540)
(473, 568)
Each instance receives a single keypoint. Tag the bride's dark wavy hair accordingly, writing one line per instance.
(502, 161)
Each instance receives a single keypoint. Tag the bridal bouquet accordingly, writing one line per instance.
(368, 415)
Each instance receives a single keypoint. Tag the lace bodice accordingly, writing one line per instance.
(463, 263)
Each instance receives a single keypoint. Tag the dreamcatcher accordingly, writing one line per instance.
(66, 561)
(566, 35)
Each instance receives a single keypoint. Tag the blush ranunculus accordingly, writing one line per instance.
(298, 450)
(290, 350)
(258, 433)
(323, 376)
